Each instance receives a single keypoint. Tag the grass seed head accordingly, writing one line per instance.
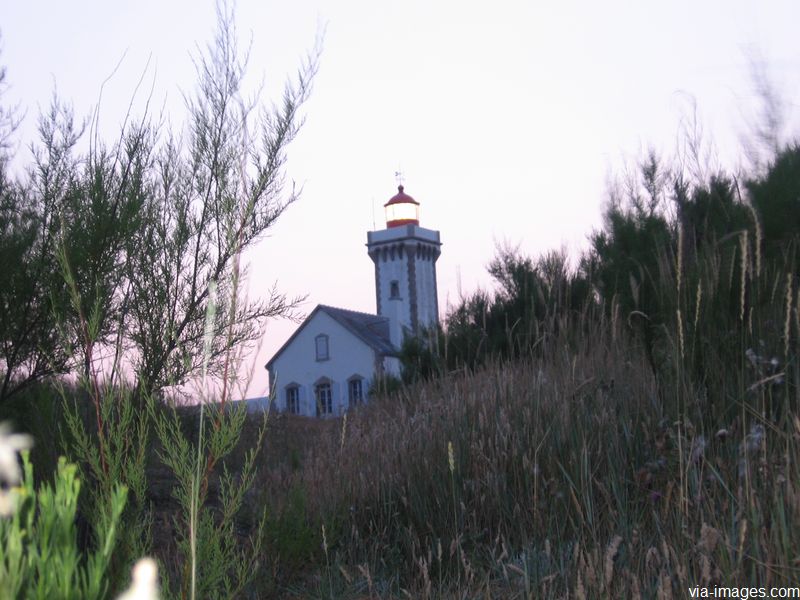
(451, 457)
(788, 320)
(611, 554)
(743, 281)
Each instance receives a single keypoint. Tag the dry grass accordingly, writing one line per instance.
(575, 474)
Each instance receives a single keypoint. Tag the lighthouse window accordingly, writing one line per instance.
(322, 347)
(394, 289)
(402, 213)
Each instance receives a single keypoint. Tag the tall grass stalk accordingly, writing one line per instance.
(451, 464)
(743, 245)
(787, 322)
(208, 337)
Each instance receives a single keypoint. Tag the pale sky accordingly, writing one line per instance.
(506, 118)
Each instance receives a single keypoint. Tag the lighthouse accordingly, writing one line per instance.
(332, 360)
(405, 255)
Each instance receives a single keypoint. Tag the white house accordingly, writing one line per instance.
(329, 363)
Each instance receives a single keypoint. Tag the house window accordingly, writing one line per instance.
(293, 399)
(322, 347)
(324, 399)
(394, 289)
(356, 390)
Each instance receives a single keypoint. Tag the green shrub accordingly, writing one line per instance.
(39, 553)
(290, 534)
(385, 385)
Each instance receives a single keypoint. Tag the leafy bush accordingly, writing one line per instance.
(290, 537)
(39, 552)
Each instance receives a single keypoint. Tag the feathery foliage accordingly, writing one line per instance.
(39, 552)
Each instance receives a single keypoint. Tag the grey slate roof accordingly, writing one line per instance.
(373, 330)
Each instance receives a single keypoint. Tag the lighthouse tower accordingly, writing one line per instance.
(405, 257)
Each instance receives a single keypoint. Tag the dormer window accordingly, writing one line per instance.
(322, 347)
(394, 290)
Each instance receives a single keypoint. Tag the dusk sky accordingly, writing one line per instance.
(506, 118)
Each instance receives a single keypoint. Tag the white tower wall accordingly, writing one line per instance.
(405, 277)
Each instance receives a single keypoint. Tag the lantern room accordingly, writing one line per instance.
(401, 209)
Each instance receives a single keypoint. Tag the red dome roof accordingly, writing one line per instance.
(401, 198)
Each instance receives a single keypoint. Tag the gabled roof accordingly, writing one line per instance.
(373, 330)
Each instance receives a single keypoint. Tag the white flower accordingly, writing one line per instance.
(751, 356)
(10, 473)
(10, 445)
(698, 449)
(145, 581)
(754, 439)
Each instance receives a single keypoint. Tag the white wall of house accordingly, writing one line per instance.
(297, 365)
